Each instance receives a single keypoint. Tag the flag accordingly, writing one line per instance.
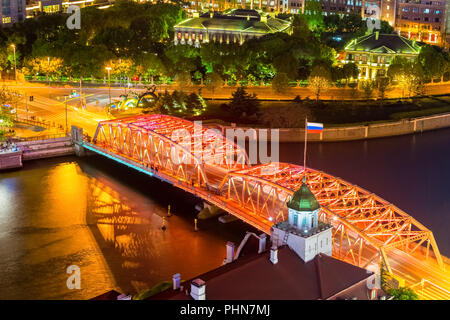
(312, 127)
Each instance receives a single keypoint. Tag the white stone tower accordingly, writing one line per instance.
(303, 232)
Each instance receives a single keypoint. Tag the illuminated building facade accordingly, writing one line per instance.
(236, 26)
(447, 24)
(374, 53)
(12, 11)
(422, 20)
(54, 6)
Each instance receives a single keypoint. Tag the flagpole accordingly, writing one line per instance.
(306, 141)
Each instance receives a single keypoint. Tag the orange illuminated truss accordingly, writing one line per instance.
(365, 227)
(169, 143)
(361, 220)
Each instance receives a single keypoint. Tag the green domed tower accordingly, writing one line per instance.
(303, 208)
(302, 232)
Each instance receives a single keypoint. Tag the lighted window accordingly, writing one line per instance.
(6, 19)
(51, 9)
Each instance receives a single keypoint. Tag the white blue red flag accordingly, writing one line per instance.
(313, 127)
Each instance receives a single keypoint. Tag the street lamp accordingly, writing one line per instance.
(65, 103)
(48, 75)
(109, 83)
(15, 66)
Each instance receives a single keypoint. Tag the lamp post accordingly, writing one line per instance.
(109, 83)
(65, 102)
(48, 75)
(15, 66)
(81, 93)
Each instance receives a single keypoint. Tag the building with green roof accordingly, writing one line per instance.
(373, 53)
(303, 200)
(303, 232)
(235, 26)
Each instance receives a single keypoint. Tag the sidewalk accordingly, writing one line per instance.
(263, 93)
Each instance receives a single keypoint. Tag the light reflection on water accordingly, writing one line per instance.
(59, 212)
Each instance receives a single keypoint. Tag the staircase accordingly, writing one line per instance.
(46, 148)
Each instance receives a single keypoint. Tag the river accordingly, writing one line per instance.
(106, 219)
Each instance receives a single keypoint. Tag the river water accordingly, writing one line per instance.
(106, 219)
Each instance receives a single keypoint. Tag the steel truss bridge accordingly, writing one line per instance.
(366, 228)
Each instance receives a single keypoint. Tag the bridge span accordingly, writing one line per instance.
(201, 161)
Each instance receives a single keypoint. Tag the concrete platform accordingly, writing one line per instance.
(10, 160)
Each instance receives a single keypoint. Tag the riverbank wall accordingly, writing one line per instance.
(361, 132)
(46, 148)
(10, 160)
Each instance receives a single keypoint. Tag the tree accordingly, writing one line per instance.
(433, 61)
(314, 16)
(383, 85)
(6, 122)
(352, 23)
(403, 293)
(180, 104)
(350, 71)
(243, 104)
(165, 104)
(319, 80)
(286, 63)
(49, 66)
(386, 28)
(7, 96)
(195, 105)
(149, 64)
(120, 67)
(368, 86)
(280, 82)
(182, 59)
(408, 74)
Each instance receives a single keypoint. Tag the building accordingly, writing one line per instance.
(374, 53)
(447, 24)
(298, 266)
(303, 232)
(236, 26)
(12, 11)
(36, 7)
(422, 20)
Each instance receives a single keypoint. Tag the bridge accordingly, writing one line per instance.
(201, 161)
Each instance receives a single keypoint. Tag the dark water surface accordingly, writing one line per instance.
(107, 219)
(412, 172)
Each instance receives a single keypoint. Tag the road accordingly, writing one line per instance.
(48, 104)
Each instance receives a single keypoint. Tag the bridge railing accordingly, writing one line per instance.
(42, 137)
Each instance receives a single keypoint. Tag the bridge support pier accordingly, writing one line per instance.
(77, 139)
(80, 151)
